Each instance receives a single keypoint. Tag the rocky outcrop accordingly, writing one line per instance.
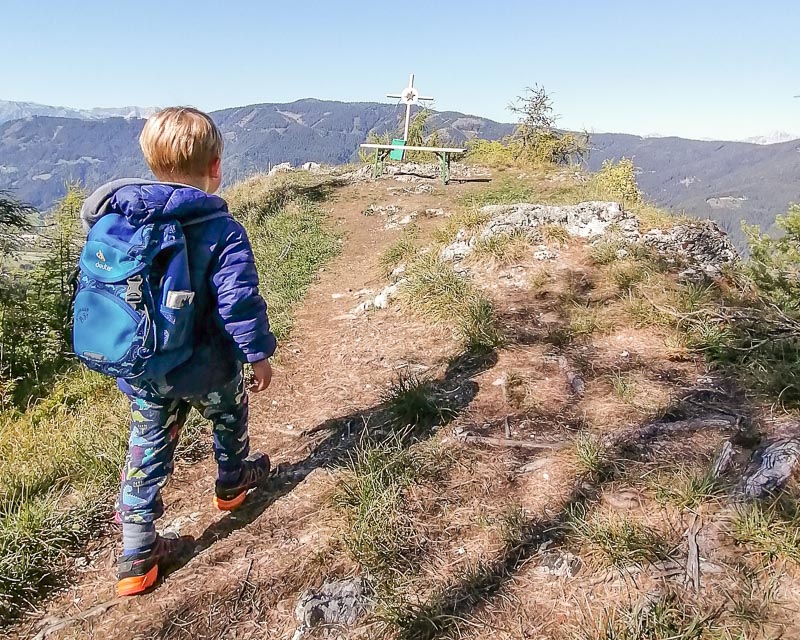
(585, 220)
(702, 245)
(701, 248)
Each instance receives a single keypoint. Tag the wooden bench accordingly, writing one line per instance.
(383, 150)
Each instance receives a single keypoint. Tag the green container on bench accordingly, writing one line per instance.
(397, 154)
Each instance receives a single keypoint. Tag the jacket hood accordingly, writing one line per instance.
(147, 201)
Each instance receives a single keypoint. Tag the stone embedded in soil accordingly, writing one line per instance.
(622, 500)
(456, 251)
(339, 602)
(561, 564)
(382, 300)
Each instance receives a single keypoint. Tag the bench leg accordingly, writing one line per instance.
(445, 158)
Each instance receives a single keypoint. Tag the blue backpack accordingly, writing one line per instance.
(133, 312)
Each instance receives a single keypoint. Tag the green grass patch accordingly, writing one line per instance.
(583, 321)
(59, 465)
(413, 403)
(769, 531)
(59, 471)
(626, 274)
(683, 487)
(619, 541)
(437, 292)
(554, 234)
(593, 457)
(402, 251)
(382, 534)
(507, 190)
(624, 385)
(502, 249)
(291, 242)
(262, 196)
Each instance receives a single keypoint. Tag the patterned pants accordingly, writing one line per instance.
(155, 426)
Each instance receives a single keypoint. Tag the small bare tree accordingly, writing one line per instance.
(536, 134)
(535, 111)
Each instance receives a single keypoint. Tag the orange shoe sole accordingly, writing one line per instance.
(137, 584)
(230, 505)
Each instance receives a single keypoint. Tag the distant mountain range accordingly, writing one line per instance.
(773, 137)
(39, 153)
(10, 110)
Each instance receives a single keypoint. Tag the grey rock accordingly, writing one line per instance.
(382, 299)
(283, 167)
(339, 602)
(561, 564)
(542, 253)
(703, 244)
(587, 219)
(576, 384)
(456, 251)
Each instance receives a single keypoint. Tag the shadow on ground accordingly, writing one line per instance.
(455, 389)
(450, 608)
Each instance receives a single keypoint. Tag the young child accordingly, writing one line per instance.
(183, 147)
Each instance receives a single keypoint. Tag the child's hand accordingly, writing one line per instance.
(262, 374)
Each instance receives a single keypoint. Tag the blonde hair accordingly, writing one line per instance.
(180, 141)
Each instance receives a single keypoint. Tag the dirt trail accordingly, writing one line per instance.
(492, 523)
(334, 365)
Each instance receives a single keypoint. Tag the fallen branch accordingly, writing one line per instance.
(56, 624)
(691, 425)
(469, 438)
(770, 469)
(693, 555)
(724, 460)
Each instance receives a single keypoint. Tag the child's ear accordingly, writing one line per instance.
(215, 169)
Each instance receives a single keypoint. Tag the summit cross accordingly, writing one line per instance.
(409, 97)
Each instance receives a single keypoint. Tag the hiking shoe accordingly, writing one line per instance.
(137, 572)
(230, 496)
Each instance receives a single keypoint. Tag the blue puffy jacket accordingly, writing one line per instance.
(231, 324)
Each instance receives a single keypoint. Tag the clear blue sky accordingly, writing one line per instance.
(701, 68)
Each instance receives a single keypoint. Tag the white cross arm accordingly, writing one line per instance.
(398, 96)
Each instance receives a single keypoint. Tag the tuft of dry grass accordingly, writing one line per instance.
(502, 249)
(624, 385)
(556, 234)
(583, 321)
(469, 220)
(665, 617)
(382, 533)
